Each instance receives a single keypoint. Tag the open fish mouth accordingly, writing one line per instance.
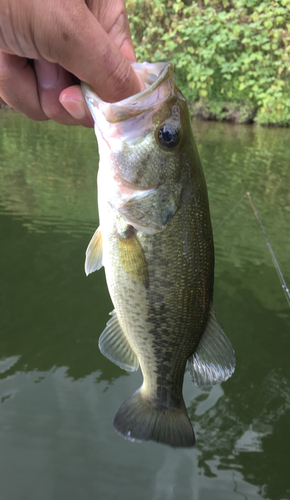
(159, 87)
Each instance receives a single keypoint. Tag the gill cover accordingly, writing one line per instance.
(134, 136)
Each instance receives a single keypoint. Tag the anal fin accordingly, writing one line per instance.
(114, 345)
(213, 361)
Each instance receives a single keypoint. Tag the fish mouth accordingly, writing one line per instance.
(159, 83)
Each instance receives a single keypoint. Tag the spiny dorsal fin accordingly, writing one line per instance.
(132, 256)
(94, 253)
(114, 345)
(213, 361)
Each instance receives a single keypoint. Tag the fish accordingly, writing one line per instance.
(155, 242)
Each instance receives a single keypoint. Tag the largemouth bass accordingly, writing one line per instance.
(156, 244)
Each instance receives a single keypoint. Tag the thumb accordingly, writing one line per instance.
(82, 47)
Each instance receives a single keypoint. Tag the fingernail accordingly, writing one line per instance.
(74, 108)
(47, 73)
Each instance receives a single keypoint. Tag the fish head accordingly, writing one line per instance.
(142, 140)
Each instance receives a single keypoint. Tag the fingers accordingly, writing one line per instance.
(86, 38)
(18, 86)
(51, 80)
(120, 34)
(73, 101)
(112, 16)
(82, 46)
(34, 90)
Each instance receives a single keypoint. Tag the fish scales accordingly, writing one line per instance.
(174, 303)
(156, 245)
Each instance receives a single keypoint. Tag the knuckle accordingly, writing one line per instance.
(55, 112)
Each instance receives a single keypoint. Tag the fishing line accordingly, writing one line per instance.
(232, 210)
(276, 265)
(279, 272)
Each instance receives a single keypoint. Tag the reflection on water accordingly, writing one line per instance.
(58, 393)
(48, 174)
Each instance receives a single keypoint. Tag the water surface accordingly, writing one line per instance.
(58, 394)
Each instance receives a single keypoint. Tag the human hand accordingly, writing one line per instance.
(46, 46)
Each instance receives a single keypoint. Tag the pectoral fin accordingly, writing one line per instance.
(132, 256)
(114, 345)
(213, 361)
(94, 253)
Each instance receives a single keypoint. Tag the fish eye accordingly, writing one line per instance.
(169, 136)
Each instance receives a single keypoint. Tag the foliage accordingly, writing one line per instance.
(236, 51)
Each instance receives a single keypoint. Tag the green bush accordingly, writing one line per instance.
(224, 51)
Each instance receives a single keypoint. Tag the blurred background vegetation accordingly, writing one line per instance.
(232, 58)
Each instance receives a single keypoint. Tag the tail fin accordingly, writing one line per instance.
(138, 419)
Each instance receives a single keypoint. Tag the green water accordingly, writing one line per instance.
(58, 394)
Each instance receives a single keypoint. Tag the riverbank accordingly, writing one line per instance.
(231, 112)
(223, 112)
(231, 59)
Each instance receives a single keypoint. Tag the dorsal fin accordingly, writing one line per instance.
(115, 346)
(214, 359)
(94, 253)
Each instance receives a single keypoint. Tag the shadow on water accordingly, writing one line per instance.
(59, 394)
